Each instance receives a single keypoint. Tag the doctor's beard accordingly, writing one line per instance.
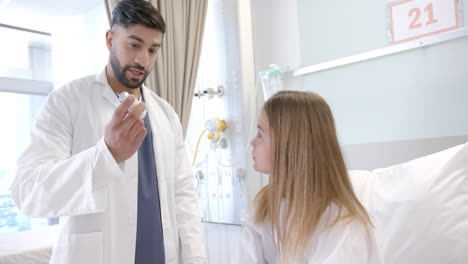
(119, 72)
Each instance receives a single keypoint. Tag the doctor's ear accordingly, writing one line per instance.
(109, 39)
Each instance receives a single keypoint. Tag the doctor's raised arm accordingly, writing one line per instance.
(114, 169)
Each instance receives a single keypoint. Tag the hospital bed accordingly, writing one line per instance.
(28, 247)
(419, 207)
(416, 192)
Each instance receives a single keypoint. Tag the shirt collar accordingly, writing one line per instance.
(102, 77)
(108, 92)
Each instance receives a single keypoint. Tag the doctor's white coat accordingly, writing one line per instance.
(68, 172)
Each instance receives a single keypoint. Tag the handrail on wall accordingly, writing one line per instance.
(25, 29)
(425, 41)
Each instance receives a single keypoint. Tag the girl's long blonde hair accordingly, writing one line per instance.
(308, 174)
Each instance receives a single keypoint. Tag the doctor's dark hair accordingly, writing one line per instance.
(137, 12)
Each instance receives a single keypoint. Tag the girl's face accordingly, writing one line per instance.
(261, 146)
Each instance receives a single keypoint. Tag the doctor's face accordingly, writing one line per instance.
(261, 146)
(133, 52)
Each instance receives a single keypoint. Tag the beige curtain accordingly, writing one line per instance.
(110, 4)
(175, 73)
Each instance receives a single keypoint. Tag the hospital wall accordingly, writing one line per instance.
(419, 93)
(275, 36)
(90, 28)
(408, 96)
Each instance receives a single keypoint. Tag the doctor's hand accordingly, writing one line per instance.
(125, 132)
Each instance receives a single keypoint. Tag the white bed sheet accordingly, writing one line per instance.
(419, 208)
(34, 256)
(28, 247)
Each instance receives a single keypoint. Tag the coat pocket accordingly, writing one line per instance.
(78, 249)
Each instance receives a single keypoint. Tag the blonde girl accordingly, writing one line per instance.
(308, 213)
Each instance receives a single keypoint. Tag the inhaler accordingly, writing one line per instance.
(124, 95)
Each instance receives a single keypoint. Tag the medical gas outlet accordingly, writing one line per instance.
(214, 127)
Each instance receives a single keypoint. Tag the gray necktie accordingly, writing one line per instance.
(149, 240)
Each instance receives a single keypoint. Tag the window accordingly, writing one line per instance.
(32, 62)
(25, 80)
(19, 111)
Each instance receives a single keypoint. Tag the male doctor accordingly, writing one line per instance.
(121, 185)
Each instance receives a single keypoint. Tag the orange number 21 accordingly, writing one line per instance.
(417, 14)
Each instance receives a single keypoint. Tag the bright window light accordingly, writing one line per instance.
(22, 109)
(14, 52)
(14, 56)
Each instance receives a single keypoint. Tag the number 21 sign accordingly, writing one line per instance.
(413, 19)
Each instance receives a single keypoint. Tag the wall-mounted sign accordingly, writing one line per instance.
(411, 19)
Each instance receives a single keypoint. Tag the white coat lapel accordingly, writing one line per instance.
(107, 91)
(160, 127)
(130, 166)
(110, 96)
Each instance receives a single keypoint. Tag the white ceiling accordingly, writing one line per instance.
(40, 15)
(50, 7)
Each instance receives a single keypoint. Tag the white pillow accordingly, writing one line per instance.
(419, 208)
